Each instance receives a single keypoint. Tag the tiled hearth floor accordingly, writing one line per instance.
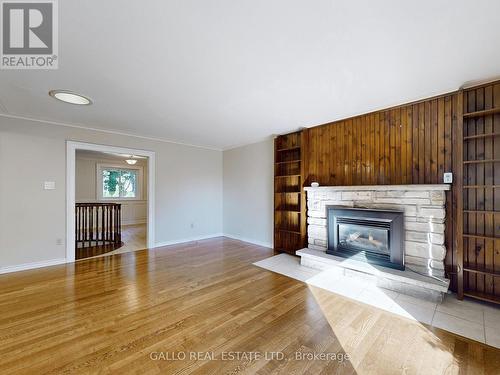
(471, 319)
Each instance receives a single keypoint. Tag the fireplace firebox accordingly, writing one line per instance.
(372, 236)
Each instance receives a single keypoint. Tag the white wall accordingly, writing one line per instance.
(248, 192)
(133, 211)
(188, 187)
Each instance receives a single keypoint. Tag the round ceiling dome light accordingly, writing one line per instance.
(70, 97)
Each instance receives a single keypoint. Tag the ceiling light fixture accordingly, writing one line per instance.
(131, 161)
(70, 97)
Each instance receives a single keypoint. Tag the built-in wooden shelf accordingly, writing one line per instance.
(485, 112)
(481, 212)
(288, 148)
(476, 140)
(288, 161)
(481, 186)
(482, 271)
(481, 161)
(483, 296)
(290, 220)
(481, 237)
(477, 136)
(288, 231)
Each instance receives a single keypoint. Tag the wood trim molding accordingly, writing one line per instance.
(459, 157)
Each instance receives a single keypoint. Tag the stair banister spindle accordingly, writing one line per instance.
(98, 225)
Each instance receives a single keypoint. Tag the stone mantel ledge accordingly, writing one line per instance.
(422, 187)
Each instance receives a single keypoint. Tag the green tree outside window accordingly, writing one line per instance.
(119, 183)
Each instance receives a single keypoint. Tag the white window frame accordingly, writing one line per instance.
(140, 181)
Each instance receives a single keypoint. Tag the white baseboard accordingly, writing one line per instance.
(30, 266)
(53, 262)
(191, 239)
(249, 240)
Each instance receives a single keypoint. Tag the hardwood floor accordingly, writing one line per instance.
(139, 312)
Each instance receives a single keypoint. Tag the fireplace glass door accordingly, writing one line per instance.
(363, 238)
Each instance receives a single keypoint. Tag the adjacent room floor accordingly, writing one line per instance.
(134, 238)
(198, 308)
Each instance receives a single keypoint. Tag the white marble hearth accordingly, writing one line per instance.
(405, 282)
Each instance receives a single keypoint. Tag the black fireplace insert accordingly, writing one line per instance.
(370, 235)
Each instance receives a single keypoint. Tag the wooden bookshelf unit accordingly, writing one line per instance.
(290, 227)
(478, 209)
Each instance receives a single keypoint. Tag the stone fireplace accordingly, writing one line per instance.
(423, 208)
(418, 211)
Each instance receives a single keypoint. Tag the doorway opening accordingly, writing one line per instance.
(110, 200)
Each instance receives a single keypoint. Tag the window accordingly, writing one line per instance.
(119, 183)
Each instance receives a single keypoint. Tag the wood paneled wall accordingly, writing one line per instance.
(409, 144)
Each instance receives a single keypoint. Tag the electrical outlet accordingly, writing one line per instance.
(448, 178)
(59, 241)
(192, 225)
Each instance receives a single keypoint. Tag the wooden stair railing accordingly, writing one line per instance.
(98, 228)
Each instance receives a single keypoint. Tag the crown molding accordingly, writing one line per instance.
(164, 140)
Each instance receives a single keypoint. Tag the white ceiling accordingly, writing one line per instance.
(222, 73)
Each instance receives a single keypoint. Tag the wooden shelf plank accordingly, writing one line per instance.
(288, 162)
(288, 148)
(288, 230)
(481, 212)
(481, 136)
(482, 271)
(481, 186)
(287, 192)
(481, 161)
(480, 236)
(290, 175)
(285, 210)
(486, 112)
(483, 296)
